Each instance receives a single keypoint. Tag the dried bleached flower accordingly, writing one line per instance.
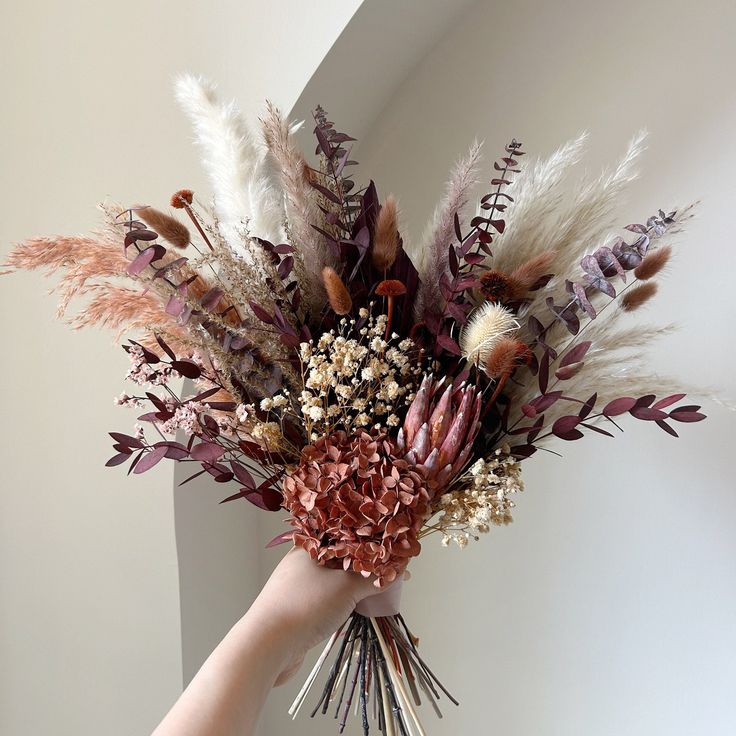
(482, 501)
(486, 326)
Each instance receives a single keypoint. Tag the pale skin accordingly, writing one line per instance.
(301, 605)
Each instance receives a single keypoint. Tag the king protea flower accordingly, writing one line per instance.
(439, 430)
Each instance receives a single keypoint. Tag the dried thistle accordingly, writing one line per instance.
(168, 227)
(337, 293)
(182, 198)
(487, 325)
(638, 296)
(653, 263)
(386, 238)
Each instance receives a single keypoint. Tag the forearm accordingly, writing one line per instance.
(301, 604)
(226, 695)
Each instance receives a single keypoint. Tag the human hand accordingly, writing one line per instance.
(310, 602)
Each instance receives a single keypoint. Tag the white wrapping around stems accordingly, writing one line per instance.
(382, 604)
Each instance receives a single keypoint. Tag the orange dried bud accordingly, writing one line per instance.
(390, 287)
(496, 286)
(182, 199)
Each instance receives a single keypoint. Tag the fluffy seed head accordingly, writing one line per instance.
(507, 354)
(181, 199)
(487, 325)
(168, 227)
(532, 270)
(386, 238)
(639, 295)
(337, 293)
(653, 263)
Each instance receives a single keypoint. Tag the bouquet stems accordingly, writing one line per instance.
(376, 671)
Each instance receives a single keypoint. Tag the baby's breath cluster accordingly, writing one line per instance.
(353, 378)
(484, 499)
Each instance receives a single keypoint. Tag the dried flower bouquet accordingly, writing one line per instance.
(376, 397)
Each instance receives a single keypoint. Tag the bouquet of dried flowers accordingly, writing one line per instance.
(374, 396)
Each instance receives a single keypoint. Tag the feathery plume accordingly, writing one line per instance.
(337, 293)
(246, 199)
(432, 255)
(386, 237)
(528, 273)
(168, 227)
(486, 326)
(639, 295)
(301, 206)
(654, 261)
(505, 355)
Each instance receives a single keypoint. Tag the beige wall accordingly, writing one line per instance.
(90, 614)
(609, 606)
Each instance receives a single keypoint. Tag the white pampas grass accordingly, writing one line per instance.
(247, 200)
(486, 326)
(431, 258)
(544, 217)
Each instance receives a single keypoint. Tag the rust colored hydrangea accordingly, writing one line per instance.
(357, 504)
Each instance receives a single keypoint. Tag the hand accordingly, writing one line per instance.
(311, 601)
(301, 604)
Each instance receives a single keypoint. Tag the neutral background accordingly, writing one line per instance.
(609, 607)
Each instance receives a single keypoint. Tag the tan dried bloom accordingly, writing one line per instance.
(168, 227)
(639, 295)
(337, 293)
(386, 237)
(654, 261)
(182, 199)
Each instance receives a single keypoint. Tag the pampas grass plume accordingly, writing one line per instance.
(386, 238)
(337, 292)
(168, 227)
(487, 325)
(639, 295)
(653, 263)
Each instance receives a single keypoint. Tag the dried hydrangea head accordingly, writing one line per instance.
(355, 504)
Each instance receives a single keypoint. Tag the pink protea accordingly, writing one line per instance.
(439, 430)
(355, 504)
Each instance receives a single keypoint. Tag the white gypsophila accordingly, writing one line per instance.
(352, 377)
(483, 501)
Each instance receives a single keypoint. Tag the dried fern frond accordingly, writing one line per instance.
(486, 326)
